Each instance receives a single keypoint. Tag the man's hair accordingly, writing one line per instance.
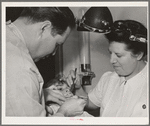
(60, 17)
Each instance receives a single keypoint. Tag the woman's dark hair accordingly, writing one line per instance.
(60, 17)
(131, 33)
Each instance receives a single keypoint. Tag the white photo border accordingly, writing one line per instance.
(61, 120)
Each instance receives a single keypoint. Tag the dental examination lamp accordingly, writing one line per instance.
(95, 19)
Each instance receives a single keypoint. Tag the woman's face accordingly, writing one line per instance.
(122, 60)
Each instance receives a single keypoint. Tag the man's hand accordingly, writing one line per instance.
(72, 107)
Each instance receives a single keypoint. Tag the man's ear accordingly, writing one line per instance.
(44, 29)
(140, 56)
(46, 25)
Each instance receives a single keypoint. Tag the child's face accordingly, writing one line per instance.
(61, 85)
(64, 89)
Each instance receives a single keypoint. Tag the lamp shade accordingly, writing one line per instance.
(96, 19)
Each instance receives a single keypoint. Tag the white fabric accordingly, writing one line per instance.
(24, 83)
(117, 97)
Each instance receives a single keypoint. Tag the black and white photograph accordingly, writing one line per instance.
(76, 63)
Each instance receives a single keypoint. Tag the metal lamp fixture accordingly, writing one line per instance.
(95, 19)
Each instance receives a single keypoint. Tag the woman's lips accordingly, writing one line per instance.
(116, 66)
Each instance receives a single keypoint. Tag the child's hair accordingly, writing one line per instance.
(55, 82)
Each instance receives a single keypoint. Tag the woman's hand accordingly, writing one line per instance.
(74, 78)
(72, 107)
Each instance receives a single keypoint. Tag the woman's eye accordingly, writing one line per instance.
(109, 52)
(119, 56)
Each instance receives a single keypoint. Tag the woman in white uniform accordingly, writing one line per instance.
(123, 93)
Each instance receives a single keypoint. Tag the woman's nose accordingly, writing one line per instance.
(113, 59)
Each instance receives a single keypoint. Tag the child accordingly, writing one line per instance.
(61, 87)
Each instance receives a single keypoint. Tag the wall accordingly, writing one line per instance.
(98, 43)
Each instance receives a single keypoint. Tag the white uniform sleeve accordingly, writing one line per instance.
(23, 97)
(96, 94)
(23, 91)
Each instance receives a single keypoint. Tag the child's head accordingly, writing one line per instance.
(61, 86)
(64, 88)
(56, 83)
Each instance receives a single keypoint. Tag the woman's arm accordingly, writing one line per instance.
(89, 105)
